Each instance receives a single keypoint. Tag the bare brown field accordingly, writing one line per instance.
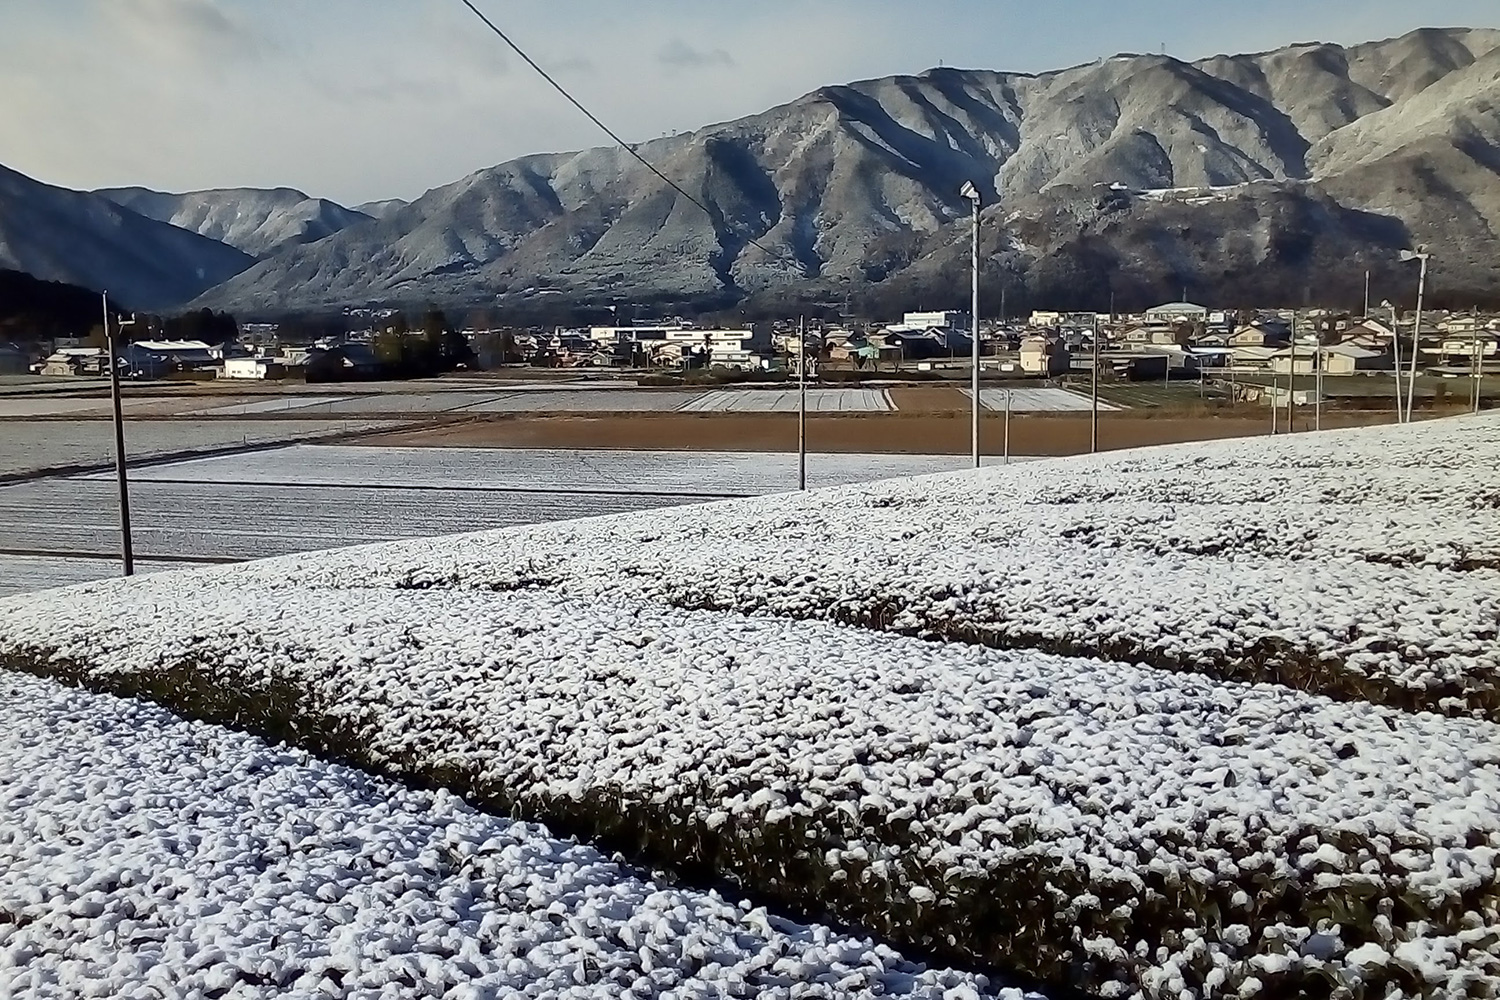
(932, 433)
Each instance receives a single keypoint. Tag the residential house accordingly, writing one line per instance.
(259, 334)
(1463, 323)
(1329, 326)
(1464, 349)
(184, 355)
(1174, 312)
(1045, 356)
(345, 363)
(76, 361)
(1371, 334)
(1134, 366)
(1261, 333)
(928, 320)
(253, 368)
(1252, 357)
(1296, 360)
(1347, 359)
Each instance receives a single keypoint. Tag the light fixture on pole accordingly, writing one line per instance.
(1419, 254)
(1395, 355)
(127, 553)
(971, 191)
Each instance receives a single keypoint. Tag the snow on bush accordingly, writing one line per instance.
(1115, 827)
(1361, 564)
(143, 856)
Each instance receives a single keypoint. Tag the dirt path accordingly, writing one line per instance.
(899, 433)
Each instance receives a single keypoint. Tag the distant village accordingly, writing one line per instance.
(1172, 342)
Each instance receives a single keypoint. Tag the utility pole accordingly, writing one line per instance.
(1291, 381)
(802, 403)
(971, 191)
(1367, 293)
(1094, 394)
(1273, 405)
(1419, 254)
(1007, 426)
(1320, 359)
(127, 554)
(1396, 357)
(1478, 370)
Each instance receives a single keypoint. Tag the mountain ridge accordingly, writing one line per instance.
(256, 221)
(85, 239)
(830, 180)
(1312, 154)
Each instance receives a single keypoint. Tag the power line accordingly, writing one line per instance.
(609, 131)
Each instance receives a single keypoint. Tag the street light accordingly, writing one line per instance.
(1407, 256)
(971, 191)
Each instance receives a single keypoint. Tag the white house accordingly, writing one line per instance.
(253, 368)
(1172, 312)
(928, 320)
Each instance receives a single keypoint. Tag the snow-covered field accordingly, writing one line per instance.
(588, 400)
(144, 856)
(787, 401)
(33, 445)
(24, 574)
(550, 469)
(234, 521)
(1363, 563)
(266, 503)
(1034, 400)
(398, 402)
(135, 407)
(44, 406)
(277, 404)
(727, 687)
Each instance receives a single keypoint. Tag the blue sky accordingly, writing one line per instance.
(363, 99)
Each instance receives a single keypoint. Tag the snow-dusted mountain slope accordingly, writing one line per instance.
(256, 221)
(999, 715)
(144, 855)
(380, 209)
(86, 239)
(856, 183)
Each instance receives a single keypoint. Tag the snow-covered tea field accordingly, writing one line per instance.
(279, 501)
(1037, 400)
(149, 857)
(1202, 721)
(787, 401)
(713, 474)
(28, 446)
